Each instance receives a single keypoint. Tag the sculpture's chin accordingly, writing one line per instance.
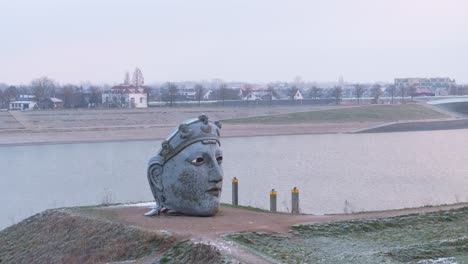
(210, 212)
(206, 208)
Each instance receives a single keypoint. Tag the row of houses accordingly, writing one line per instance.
(136, 95)
(130, 96)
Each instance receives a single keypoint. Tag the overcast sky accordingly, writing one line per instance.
(244, 40)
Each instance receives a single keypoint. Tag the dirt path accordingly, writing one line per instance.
(19, 117)
(231, 220)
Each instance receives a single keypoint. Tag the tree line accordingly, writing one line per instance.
(43, 88)
(90, 96)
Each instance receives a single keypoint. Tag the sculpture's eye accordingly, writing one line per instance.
(219, 159)
(198, 161)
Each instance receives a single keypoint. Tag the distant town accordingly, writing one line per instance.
(133, 92)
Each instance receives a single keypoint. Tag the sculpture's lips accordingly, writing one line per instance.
(214, 191)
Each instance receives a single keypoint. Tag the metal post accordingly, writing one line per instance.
(235, 191)
(295, 201)
(273, 200)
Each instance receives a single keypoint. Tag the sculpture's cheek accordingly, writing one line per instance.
(188, 188)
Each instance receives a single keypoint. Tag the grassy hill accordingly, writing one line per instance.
(368, 113)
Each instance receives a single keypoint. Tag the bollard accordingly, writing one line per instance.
(235, 191)
(295, 201)
(273, 200)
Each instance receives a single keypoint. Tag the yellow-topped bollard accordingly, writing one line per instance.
(235, 191)
(273, 200)
(295, 201)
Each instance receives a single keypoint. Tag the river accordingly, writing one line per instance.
(335, 173)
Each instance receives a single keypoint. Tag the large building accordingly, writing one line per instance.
(125, 96)
(439, 86)
(130, 94)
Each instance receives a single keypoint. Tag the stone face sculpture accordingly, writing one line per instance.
(186, 176)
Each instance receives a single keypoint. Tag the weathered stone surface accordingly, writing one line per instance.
(186, 176)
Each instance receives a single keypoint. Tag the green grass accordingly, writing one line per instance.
(355, 114)
(416, 238)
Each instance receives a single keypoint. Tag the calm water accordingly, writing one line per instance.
(335, 173)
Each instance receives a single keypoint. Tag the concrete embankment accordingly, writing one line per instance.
(418, 126)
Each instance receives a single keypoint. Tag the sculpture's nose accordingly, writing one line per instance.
(216, 172)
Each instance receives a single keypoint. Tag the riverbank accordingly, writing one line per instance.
(78, 126)
(122, 233)
(418, 126)
(100, 125)
(159, 132)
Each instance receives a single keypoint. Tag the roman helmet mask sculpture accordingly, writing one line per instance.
(186, 176)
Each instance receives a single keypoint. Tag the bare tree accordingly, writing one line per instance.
(2, 99)
(315, 92)
(225, 93)
(376, 92)
(337, 93)
(462, 89)
(10, 94)
(199, 90)
(222, 92)
(172, 92)
(453, 90)
(271, 93)
(96, 96)
(43, 87)
(137, 79)
(412, 91)
(68, 94)
(402, 93)
(391, 90)
(358, 92)
(23, 89)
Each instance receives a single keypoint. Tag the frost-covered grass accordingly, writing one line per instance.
(439, 237)
(58, 236)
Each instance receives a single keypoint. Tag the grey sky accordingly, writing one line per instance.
(244, 40)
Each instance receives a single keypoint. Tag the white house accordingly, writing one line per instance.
(22, 105)
(258, 94)
(208, 95)
(188, 93)
(298, 95)
(125, 96)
